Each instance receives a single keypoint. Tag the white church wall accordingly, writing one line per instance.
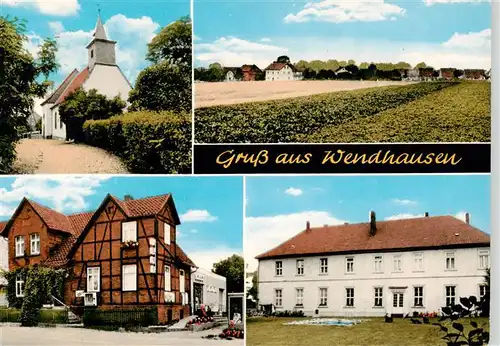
(109, 81)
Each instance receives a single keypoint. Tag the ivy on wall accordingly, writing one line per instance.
(40, 284)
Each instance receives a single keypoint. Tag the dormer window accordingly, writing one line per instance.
(35, 243)
(19, 240)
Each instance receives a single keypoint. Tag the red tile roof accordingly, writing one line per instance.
(2, 226)
(183, 257)
(278, 66)
(54, 220)
(424, 232)
(76, 83)
(144, 206)
(60, 89)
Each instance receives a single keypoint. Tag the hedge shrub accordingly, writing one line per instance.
(147, 142)
(143, 317)
(46, 315)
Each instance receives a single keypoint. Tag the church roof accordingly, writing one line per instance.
(100, 33)
(75, 83)
(55, 95)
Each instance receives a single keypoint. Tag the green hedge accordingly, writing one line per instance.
(291, 120)
(120, 317)
(147, 142)
(46, 316)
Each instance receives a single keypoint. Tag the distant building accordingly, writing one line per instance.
(208, 289)
(447, 73)
(250, 72)
(281, 71)
(474, 74)
(233, 74)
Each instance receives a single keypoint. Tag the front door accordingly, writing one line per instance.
(398, 303)
(221, 301)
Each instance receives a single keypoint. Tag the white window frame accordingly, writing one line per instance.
(450, 296)
(450, 261)
(418, 261)
(93, 273)
(349, 297)
(278, 298)
(378, 295)
(129, 271)
(323, 296)
(323, 266)
(380, 260)
(168, 279)
(152, 255)
(129, 231)
(349, 265)
(20, 246)
(278, 268)
(19, 286)
(420, 296)
(35, 243)
(166, 233)
(486, 255)
(182, 281)
(300, 267)
(397, 259)
(299, 298)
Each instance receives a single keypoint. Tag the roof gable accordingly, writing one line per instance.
(60, 89)
(75, 84)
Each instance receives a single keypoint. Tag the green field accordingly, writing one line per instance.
(423, 112)
(271, 332)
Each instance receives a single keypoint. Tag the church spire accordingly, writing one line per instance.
(100, 33)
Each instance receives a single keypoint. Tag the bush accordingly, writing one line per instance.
(293, 120)
(286, 313)
(147, 142)
(10, 315)
(142, 317)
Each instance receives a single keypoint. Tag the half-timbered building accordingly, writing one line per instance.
(124, 254)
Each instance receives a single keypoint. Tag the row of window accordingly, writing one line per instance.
(34, 244)
(129, 280)
(378, 294)
(378, 263)
(129, 232)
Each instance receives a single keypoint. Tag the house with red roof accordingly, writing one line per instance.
(122, 255)
(278, 71)
(394, 267)
(101, 73)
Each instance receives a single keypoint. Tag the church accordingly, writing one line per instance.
(102, 73)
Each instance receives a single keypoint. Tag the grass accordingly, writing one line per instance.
(51, 316)
(461, 113)
(263, 331)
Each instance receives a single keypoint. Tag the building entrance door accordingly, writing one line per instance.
(198, 295)
(398, 303)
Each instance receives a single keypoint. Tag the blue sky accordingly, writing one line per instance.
(71, 22)
(211, 208)
(437, 31)
(278, 207)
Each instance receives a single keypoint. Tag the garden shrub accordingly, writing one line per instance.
(147, 142)
(10, 315)
(94, 317)
(287, 313)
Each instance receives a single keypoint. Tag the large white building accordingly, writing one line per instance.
(376, 268)
(102, 73)
(208, 289)
(282, 72)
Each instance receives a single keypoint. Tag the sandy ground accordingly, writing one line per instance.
(40, 156)
(211, 94)
(22, 336)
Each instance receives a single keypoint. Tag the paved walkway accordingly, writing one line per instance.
(40, 156)
(22, 336)
(181, 324)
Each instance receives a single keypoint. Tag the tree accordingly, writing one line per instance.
(351, 62)
(172, 44)
(421, 65)
(232, 268)
(215, 65)
(80, 106)
(363, 65)
(283, 59)
(22, 78)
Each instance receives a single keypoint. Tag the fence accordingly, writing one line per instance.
(133, 317)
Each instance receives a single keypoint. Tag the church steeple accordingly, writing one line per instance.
(100, 49)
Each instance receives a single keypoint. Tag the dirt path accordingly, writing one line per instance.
(41, 156)
(224, 93)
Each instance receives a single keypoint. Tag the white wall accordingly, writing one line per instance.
(212, 284)
(60, 131)
(467, 277)
(109, 81)
(286, 73)
(47, 120)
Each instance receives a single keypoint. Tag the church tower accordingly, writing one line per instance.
(100, 49)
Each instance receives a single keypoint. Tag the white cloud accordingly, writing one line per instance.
(196, 215)
(404, 201)
(341, 11)
(64, 193)
(292, 191)
(56, 27)
(206, 258)
(470, 40)
(52, 7)
(266, 232)
(433, 2)
(265, 39)
(194, 231)
(403, 216)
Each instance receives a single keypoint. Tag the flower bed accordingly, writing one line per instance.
(201, 323)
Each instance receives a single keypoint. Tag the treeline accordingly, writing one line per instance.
(332, 64)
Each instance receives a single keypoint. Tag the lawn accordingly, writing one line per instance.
(374, 331)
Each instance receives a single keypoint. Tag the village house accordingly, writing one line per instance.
(447, 73)
(102, 73)
(250, 72)
(282, 71)
(232, 74)
(474, 74)
(123, 255)
(208, 289)
(376, 268)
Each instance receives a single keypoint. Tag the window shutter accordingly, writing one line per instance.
(166, 229)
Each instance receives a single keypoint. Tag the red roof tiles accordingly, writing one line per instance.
(60, 89)
(76, 83)
(424, 232)
(276, 66)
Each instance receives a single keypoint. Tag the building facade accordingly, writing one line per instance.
(377, 268)
(282, 72)
(208, 289)
(123, 255)
(101, 73)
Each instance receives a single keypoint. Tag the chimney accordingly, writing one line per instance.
(467, 218)
(426, 214)
(128, 198)
(308, 226)
(373, 223)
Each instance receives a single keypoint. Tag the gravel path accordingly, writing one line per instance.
(41, 156)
